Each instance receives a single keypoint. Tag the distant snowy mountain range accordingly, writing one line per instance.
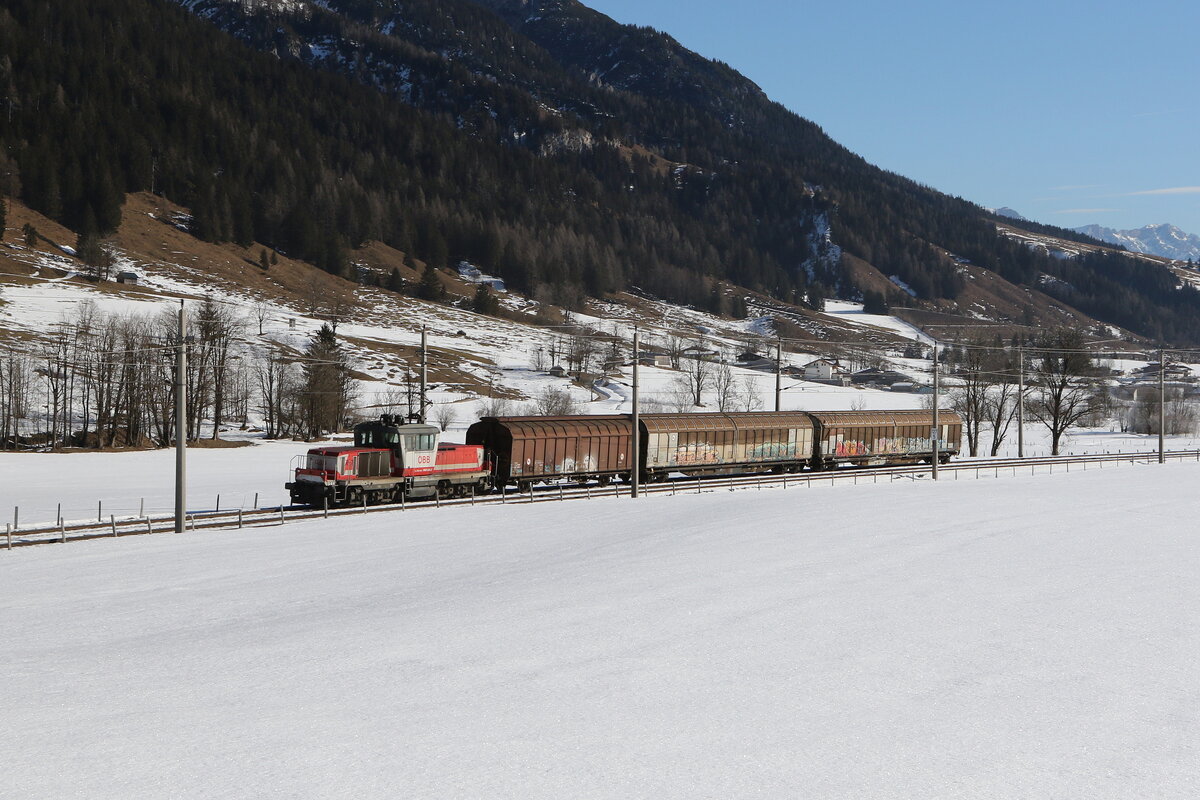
(1160, 240)
(1157, 240)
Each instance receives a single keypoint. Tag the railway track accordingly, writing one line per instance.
(281, 515)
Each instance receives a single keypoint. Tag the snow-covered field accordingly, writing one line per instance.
(907, 640)
(128, 483)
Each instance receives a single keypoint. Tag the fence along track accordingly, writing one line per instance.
(278, 515)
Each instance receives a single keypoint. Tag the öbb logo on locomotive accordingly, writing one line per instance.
(392, 460)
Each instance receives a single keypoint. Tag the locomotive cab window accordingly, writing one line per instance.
(418, 441)
(322, 463)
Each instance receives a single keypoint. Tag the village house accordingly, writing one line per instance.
(700, 353)
(653, 358)
(879, 378)
(752, 360)
(825, 371)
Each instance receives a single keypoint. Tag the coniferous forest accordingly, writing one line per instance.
(561, 151)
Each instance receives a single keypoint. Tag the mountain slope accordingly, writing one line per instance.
(540, 140)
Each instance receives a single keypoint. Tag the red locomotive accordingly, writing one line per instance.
(388, 462)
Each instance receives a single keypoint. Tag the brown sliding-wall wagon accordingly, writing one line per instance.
(725, 443)
(878, 438)
(528, 450)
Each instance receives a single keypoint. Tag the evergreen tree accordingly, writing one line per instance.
(484, 301)
(874, 303)
(816, 296)
(430, 287)
(327, 385)
(395, 282)
(87, 247)
(737, 307)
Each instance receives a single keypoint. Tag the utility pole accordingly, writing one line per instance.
(424, 374)
(933, 438)
(778, 371)
(1020, 401)
(635, 473)
(1162, 402)
(181, 423)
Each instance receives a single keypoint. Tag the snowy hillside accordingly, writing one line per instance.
(473, 357)
(911, 640)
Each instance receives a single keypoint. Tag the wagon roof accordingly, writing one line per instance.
(598, 425)
(722, 421)
(827, 418)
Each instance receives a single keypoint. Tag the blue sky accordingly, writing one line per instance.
(1070, 113)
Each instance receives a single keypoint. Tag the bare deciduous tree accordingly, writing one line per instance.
(724, 385)
(262, 312)
(495, 407)
(969, 398)
(1001, 404)
(696, 373)
(554, 402)
(674, 349)
(1179, 415)
(1065, 389)
(445, 415)
(751, 397)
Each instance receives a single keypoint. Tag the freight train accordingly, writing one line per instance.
(391, 460)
